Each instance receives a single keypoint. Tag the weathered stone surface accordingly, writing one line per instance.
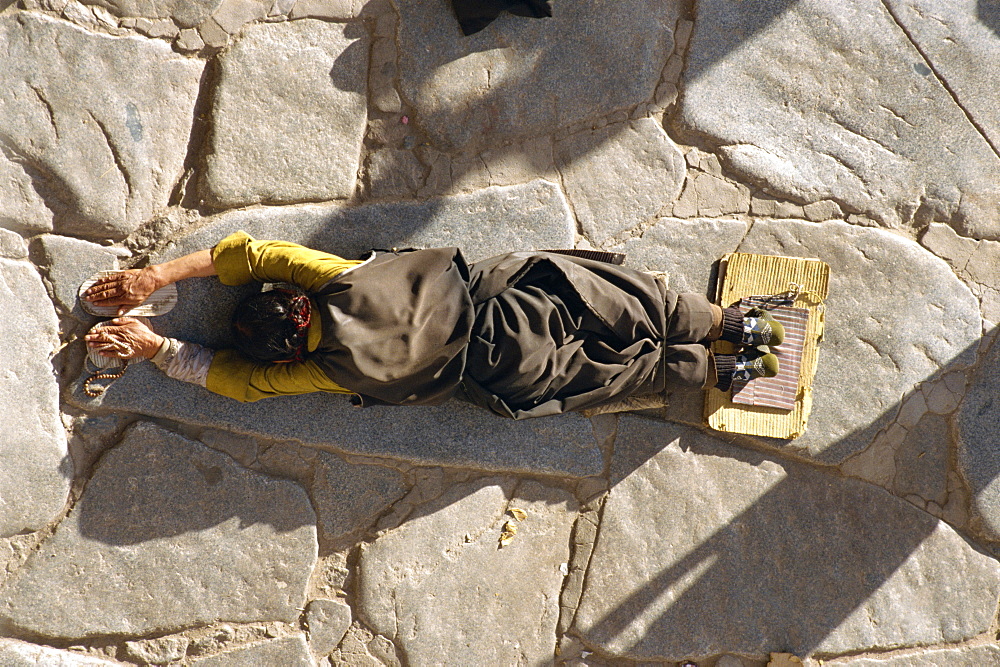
(189, 40)
(186, 13)
(69, 262)
(922, 461)
(98, 127)
(12, 245)
(327, 622)
(962, 656)
(209, 541)
(522, 77)
(35, 469)
(710, 195)
(442, 590)
(159, 651)
(705, 548)
(833, 101)
(685, 249)
(895, 316)
(979, 442)
(961, 43)
(360, 648)
(347, 497)
(234, 14)
(287, 651)
(942, 240)
(15, 653)
(619, 176)
(394, 172)
(335, 10)
(283, 87)
(489, 222)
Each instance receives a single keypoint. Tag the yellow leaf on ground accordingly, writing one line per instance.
(518, 513)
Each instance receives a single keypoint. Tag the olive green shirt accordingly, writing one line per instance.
(238, 259)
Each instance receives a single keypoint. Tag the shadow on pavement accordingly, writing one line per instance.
(828, 563)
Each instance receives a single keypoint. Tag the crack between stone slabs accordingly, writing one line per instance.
(985, 639)
(941, 79)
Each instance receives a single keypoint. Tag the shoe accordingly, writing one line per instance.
(757, 327)
(751, 364)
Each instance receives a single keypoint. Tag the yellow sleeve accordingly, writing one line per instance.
(232, 375)
(238, 259)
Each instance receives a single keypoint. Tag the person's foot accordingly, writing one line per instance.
(746, 366)
(757, 327)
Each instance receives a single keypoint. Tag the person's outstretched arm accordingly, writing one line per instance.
(130, 288)
(222, 372)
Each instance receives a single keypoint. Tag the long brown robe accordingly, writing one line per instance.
(524, 334)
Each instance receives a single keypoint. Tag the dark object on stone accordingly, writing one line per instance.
(474, 15)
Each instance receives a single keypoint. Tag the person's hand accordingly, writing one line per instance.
(124, 337)
(126, 289)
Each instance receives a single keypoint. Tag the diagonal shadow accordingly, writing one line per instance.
(782, 575)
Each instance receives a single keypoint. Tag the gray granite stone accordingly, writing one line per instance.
(335, 10)
(486, 223)
(441, 589)
(942, 240)
(979, 442)
(209, 541)
(706, 548)
(14, 653)
(348, 497)
(619, 176)
(685, 249)
(186, 13)
(12, 245)
(393, 172)
(102, 127)
(327, 622)
(232, 15)
(895, 316)
(286, 651)
(521, 77)
(960, 40)
(959, 656)
(189, 41)
(922, 461)
(283, 87)
(69, 262)
(833, 101)
(35, 475)
(159, 651)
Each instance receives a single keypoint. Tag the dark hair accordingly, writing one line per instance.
(272, 325)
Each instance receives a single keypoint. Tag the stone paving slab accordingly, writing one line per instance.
(14, 653)
(207, 539)
(35, 468)
(185, 13)
(442, 590)
(744, 554)
(619, 176)
(288, 114)
(521, 77)
(832, 100)
(287, 652)
(101, 126)
(962, 656)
